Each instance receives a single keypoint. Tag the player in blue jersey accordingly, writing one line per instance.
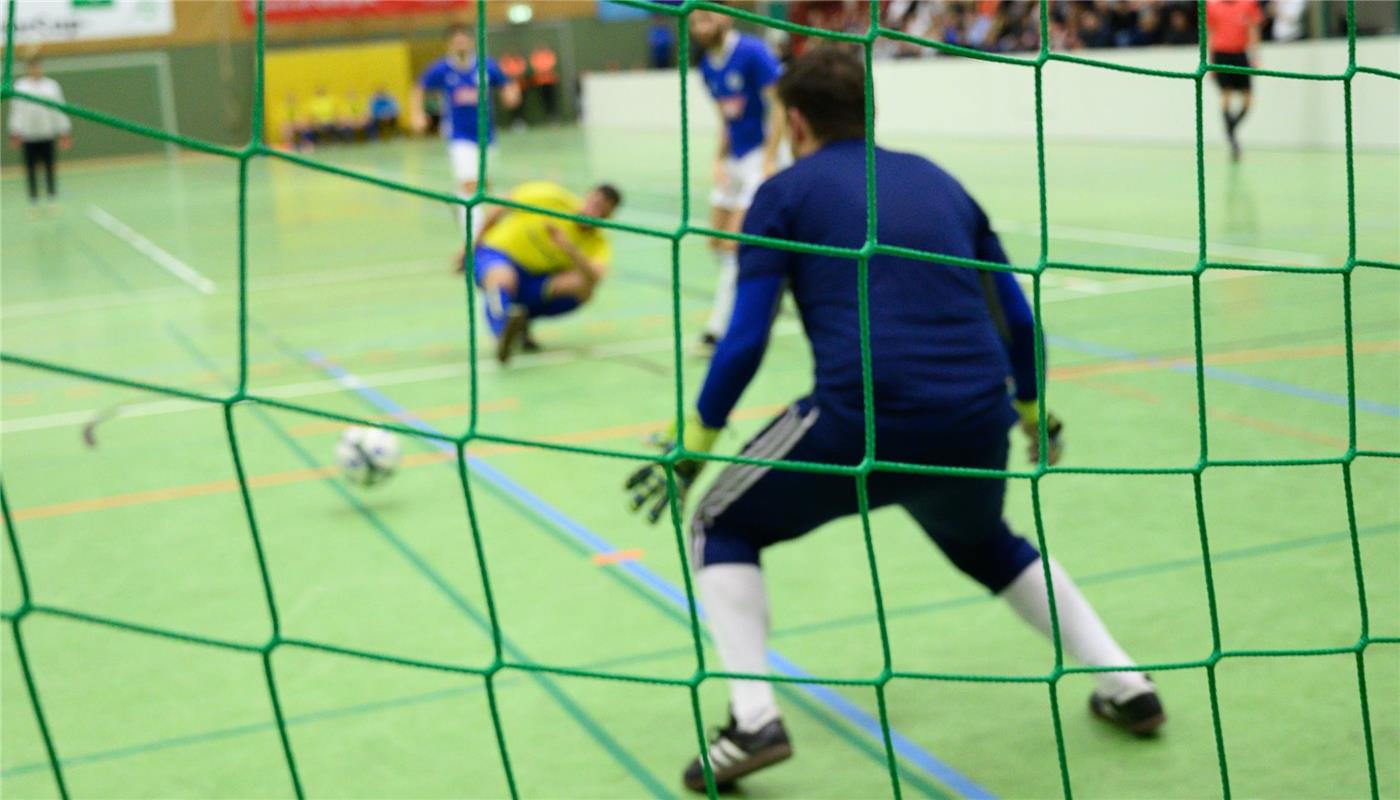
(455, 77)
(740, 73)
(945, 342)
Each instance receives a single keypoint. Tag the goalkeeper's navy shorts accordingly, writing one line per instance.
(751, 507)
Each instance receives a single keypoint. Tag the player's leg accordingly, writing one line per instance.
(500, 281)
(563, 293)
(465, 158)
(726, 255)
(746, 509)
(964, 517)
(1246, 99)
(31, 170)
(50, 156)
(546, 296)
(728, 202)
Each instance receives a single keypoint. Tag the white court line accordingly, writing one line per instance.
(388, 378)
(327, 277)
(1169, 244)
(1138, 284)
(1062, 291)
(151, 250)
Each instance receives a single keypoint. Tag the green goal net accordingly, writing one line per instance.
(256, 148)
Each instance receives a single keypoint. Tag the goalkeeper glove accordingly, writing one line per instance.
(1029, 411)
(648, 484)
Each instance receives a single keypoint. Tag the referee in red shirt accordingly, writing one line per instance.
(1232, 27)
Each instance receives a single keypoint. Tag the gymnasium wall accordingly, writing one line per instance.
(965, 98)
(210, 67)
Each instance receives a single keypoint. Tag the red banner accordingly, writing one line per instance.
(302, 10)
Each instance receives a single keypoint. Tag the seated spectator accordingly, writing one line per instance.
(356, 113)
(383, 114)
(294, 128)
(1092, 30)
(327, 118)
(1181, 28)
(1123, 24)
(661, 43)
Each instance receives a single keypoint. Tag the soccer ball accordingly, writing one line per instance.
(367, 455)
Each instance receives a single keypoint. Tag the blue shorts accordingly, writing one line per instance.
(749, 507)
(530, 286)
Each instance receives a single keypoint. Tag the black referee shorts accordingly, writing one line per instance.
(1231, 80)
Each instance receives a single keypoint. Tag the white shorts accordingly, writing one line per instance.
(742, 177)
(464, 155)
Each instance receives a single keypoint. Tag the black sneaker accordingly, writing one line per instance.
(1140, 714)
(735, 753)
(517, 321)
(528, 343)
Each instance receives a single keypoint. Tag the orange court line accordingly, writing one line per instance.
(1274, 427)
(619, 431)
(297, 475)
(1215, 413)
(1253, 356)
(617, 556)
(201, 489)
(21, 399)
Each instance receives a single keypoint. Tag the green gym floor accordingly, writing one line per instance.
(353, 309)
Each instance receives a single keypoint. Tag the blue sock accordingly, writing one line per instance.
(495, 302)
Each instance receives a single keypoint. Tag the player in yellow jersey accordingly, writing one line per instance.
(530, 265)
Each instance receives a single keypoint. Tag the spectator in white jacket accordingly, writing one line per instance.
(38, 130)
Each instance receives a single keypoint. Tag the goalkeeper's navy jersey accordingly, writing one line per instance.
(940, 364)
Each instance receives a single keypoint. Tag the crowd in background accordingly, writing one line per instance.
(1014, 25)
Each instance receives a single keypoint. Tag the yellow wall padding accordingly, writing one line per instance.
(360, 68)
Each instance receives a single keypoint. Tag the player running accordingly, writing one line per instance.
(455, 77)
(944, 341)
(1232, 28)
(739, 72)
(529, 265)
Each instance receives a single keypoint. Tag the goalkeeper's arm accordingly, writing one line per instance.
(732, 368)
(1014, 315)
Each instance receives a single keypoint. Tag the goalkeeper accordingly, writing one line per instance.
(944, 341)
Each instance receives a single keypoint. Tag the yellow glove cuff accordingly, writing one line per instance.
(698, 437)
(1029, 410)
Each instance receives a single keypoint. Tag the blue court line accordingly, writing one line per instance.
(1108, 576)
(1227, 375)
(903, 746)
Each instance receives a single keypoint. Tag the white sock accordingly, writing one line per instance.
(1082, 634)
(475, 214)
(737, 607)
(724, 293)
